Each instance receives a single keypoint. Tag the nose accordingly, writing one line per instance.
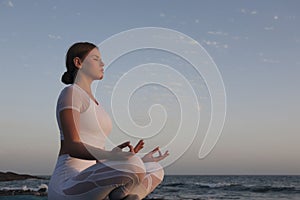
(102, 64)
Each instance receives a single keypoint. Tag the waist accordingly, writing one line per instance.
(75, 165)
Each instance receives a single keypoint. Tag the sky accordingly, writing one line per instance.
(254, 46)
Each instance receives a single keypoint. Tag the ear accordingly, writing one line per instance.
(77, 62)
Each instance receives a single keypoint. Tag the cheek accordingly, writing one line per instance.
(92, 69)
(88, 68)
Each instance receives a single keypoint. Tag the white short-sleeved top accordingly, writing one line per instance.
(95, 124)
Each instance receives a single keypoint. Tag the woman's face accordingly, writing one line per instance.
(92, 65)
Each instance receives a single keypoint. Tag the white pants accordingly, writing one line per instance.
(76, 179)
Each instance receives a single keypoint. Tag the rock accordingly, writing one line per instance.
(11, 176)
(21, 192)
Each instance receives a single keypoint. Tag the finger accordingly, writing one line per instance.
(137, 149)
(155, 150)
(141, 142)
(139, 146)
(123, 145)
(131, 148)
(159, 153)
(161, 157)
(166, 154)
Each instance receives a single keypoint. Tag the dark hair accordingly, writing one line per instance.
(80, 50)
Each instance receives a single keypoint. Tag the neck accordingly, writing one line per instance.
(84, 84)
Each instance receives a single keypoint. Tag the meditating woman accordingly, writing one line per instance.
(84, 169)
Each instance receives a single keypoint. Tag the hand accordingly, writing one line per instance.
(139, 146)
(117, 153)
(122, 146)
(149, 156)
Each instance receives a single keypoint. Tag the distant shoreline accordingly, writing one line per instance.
(12, 176)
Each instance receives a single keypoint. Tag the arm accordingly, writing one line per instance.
(72, 144)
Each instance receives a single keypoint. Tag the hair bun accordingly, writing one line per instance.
(67, 78)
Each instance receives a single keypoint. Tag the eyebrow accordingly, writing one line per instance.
(96, 56)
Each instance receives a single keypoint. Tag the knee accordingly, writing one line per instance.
(155, 169)
(136, 166)
(159, 175)
(133, 166)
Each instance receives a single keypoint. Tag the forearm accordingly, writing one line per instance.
(83, 151)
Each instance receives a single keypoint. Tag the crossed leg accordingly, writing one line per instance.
(131, 179)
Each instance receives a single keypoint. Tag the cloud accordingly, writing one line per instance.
(260, 54)
(267, 60)
(215, 44)
(8, 3)
(54, 37)
(162, 14)
(217, 33)
(275, 17)
(269, 28)
(291, 17)
(271, 61)
(236, 37)
(207, 42)
(245, 11)
(254, 12)
(197, 21)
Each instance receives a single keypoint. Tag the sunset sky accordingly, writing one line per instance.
(254, 44)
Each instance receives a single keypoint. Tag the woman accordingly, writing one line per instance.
(84, 169)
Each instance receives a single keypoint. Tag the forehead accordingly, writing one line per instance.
(95, 53)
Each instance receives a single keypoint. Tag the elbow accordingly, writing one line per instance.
(72, 148)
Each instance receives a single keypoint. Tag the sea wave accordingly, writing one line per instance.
(25, 188)
(235, 187)
(41, 190)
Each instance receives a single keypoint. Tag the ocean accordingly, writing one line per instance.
(195, 187)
